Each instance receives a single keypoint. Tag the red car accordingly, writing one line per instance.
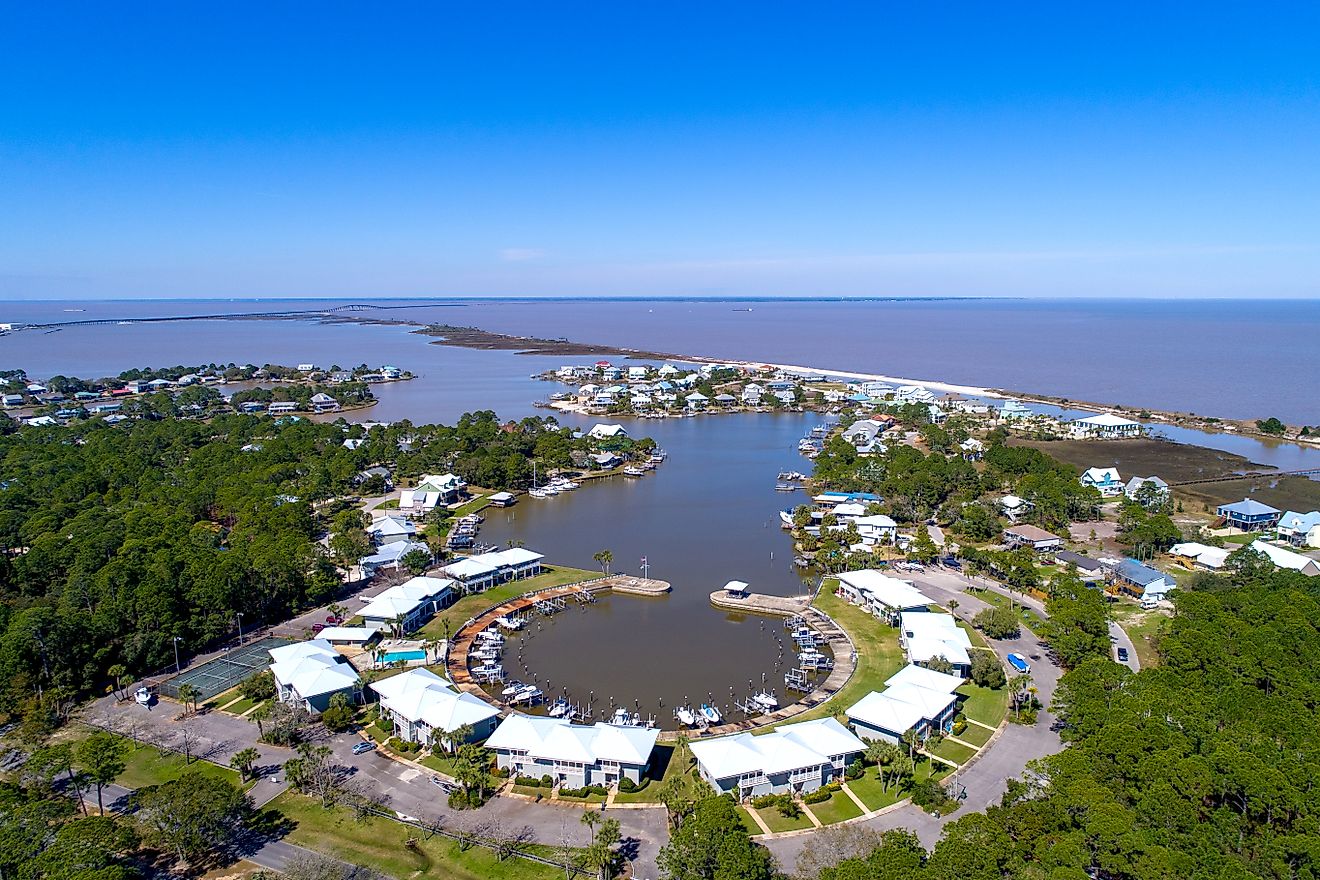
(332, 620)
(317, 627)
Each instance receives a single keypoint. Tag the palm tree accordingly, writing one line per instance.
(117, 674)
(188, 695)
(912, 742)
(243, 761)
(953, 605)
(590, 818)
(604, 558)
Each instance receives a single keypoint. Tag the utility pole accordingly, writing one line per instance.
(177, 667)
(239, 615)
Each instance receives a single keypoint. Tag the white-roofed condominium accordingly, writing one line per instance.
(796, 758)
(426, 708)
(573, 755)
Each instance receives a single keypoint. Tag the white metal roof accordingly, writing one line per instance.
(421, 695)
(888, 591)
(558, 739)
(792, 747)
(927, 678)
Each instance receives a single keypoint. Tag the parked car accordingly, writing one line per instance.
(317, 627)
(333, 620)
(363, 747)
(1122, 655)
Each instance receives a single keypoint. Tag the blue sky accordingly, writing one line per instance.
(934, 149)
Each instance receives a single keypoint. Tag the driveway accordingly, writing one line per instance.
(1120, 638)
(986, 777)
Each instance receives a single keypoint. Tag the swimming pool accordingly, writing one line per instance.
(393, 656)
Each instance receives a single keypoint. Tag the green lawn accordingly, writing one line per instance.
(838, 808)
(1142, 628)
(144, 765)
(868, 789)
(878, 653)
(955, 752)
(983, 704)
(219, 700)
(976, 735)
(470, 606)
(241, 706)
(381, 844)
(777, 822)
(1030, 619)
(748, 822)
(589, 799)
(531, 792)
(663, 763)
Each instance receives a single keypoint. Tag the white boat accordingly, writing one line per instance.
(144, 696)
(621, 718)
(510, 622)
(685, 716)
(537, 493)
(631, 471)
(711, 714)
(512, 688)
(784, 487)
(559, 708)
(491, 638)
(786, 517)
(530, 694)
(765, 700)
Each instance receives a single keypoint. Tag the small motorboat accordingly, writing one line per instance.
(784, 487)
(529, 694)
(632, 471)
(766, 700)
(513, 688)
(559, 708)
(144, 696)
(537, 493)
(510, 622)
(621, 718)
(711, 714)
(685, 716)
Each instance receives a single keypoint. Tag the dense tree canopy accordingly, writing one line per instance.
(118, 539)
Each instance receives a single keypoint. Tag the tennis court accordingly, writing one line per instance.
(219, 675)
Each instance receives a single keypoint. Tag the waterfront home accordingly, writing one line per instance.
(876, 529)
(788, 396)
(864, 433)
(925, 636)
(1300, 529)
(1032, 536)
(1088, 569)
(359, 637)
(306, 368)
(406, 607)
(751, 394)
(391, 528)
(484, 570)
(589, 391)
(449, 488)
(1142, 581)
(849, 510)
(390, 556)
(635, 373)
(611, 374)
(972, 449)
(607, 459)
(915, 699)
(322, 402)
(696, 401)
(641, 400)
(913, 394)
(1192, 554)
(668, 371)
(1104, 480)
(308, 674)
(1105, 426)
(725, 400)
(251, 406)
(282, 406)
(13, 400)
(1014, 410)
(425, 708)
(1249, 515)
(1153, 489)
(1014, 507)
(884, 596)
(877, 390)
(607, 432)
(1286, 558)
(573, 755)
(830, 499)
(794, 759)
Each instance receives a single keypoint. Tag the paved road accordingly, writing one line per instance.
(399, 786)
(986, 778)
(1120, 638)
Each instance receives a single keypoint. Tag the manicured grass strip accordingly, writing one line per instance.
(531, 792)
(381, 844)
(976, 735)
(837, 809)
(956, 752)
(748, 822)
(868, 789)
(589, 799)
(777, 822)
(878, 653)
(145, 765)
(240, 706)
(983, 704)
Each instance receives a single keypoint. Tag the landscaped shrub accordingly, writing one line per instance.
(528, 781)
(998, 623)
(789, 808)
(855, 770)
(819, 796)
(627, 785)
(500, 772)
(959, 728)
(765, 801)
(929, 794)
(548, 781)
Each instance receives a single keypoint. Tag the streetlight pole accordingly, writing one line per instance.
(239, 615)
(177, 667)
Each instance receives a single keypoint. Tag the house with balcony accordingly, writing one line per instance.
(407, 606)
(914, 699)
(1104, 480)
(883, 596)
(573, 755)
(1249, 515)
(425, 708)
(309, 674)
(793, 759)
(1105, 426)
(1300, 529)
